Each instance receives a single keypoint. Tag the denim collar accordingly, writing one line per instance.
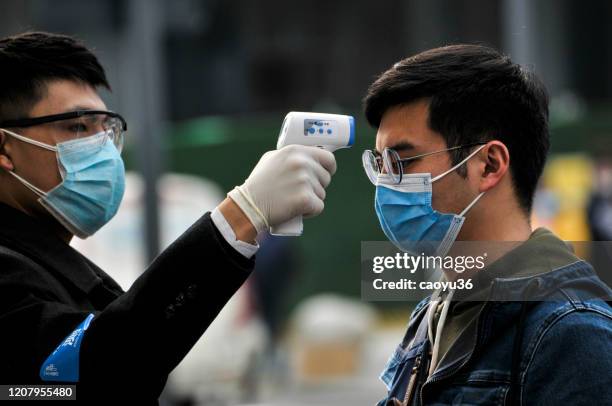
(511, 291)
(534, 270)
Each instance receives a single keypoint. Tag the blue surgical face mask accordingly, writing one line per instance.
(93, 182)
(407, 217)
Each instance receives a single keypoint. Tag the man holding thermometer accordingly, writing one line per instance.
(64, 320)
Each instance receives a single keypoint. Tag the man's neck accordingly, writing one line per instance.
(493, 232)
(59, 230)
(496, 224)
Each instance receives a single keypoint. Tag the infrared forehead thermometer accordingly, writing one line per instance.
(327, 131)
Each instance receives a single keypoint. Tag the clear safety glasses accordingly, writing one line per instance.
(76, 124)
(390, 162)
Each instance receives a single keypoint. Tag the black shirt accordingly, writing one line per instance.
(47, 289)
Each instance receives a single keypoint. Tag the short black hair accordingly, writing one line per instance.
(476, 94)
(31, 60)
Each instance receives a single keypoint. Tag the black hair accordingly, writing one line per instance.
(476, 94)
(29, 61)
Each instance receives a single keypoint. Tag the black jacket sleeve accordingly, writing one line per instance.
(131, 345)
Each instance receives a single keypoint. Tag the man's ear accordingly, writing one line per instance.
(5, 159)
(496, 159)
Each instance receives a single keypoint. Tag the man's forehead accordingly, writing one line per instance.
(61, 96)
(406, 128)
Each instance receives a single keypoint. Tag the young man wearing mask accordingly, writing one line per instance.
(462, 140)
(63, 320)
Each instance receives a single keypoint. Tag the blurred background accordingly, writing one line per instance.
(205, 85)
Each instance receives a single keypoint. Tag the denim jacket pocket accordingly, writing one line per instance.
(475, 388)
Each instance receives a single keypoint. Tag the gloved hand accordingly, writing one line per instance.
(284, 184)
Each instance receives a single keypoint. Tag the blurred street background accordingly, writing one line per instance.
(205, 85)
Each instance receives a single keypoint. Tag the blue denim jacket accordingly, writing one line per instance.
(553, 351)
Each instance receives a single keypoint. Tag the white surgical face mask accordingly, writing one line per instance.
(93, 182)
(407, 218)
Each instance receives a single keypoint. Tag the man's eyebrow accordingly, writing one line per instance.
(401, 146)
(80, 107)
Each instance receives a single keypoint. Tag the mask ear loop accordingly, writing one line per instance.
(34, 189)
(30, 141)
(37, 191)
(469, 206)
(458, 165)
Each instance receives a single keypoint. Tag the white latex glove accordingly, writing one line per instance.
(284, 184)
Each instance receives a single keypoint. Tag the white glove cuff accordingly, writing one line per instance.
(241, 197)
